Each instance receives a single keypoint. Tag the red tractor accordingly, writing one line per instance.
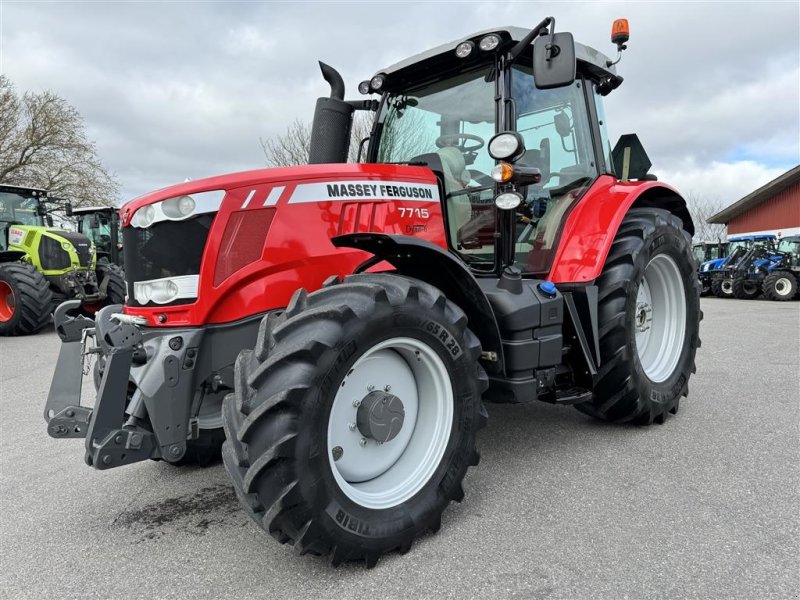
(339, 326)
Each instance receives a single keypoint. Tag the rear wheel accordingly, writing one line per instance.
(25, 299)
(353, 422)
(745, 289)
(780, 285)
(649, 314)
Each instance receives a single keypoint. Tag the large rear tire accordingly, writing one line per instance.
(780, 285)
(649, 315)
(745, 289)
(307, 464)
(25, 299)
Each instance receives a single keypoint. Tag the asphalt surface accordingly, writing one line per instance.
(705, 506)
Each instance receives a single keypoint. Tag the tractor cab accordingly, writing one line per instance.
(19, 206)
(101, 224)
(511, 120)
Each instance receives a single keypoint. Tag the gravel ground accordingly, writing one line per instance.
(705, 506)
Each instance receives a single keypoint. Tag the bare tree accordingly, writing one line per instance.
(43, 144)
(291, 148)
(701, 209)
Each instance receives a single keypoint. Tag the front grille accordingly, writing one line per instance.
(51, 255)
(81, 243)
(165, 249)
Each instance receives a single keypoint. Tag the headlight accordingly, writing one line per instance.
(66, 246)
(363, 87)
(506, 146)
(144, 217)
(376, 83)
(508, 200)
(178, 208)
(169, 289)
(464, 49)
(489, 42)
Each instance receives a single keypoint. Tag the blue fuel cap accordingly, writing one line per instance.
(548, 288)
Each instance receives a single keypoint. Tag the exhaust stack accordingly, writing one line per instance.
(333, 119)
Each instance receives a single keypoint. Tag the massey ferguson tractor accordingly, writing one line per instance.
(41, 266)
(340, 326)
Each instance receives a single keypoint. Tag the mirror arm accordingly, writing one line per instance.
(540, 29)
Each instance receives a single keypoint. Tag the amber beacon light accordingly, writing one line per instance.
(620, 33)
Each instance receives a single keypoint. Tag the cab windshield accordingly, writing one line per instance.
(15, 208)
(451, 121)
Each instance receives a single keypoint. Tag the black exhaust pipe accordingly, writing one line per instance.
(333, 119)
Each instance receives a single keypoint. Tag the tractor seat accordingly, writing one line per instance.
(456, 178)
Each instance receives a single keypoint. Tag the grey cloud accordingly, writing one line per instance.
(175, 90)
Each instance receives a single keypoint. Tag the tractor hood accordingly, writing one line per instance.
(287, 175)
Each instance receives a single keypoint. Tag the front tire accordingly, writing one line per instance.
(780, 285)
(745, 289)
(305, 461)
(722, 287)
(111, 279)
(649, 315)
(25, 299)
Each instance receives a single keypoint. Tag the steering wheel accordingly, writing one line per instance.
(452, 140)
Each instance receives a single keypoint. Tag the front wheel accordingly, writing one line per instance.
(649, 316)
(722, 287)
(353, 422)
(745, 289)
(25, 299)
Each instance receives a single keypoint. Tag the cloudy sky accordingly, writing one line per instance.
(171, 90)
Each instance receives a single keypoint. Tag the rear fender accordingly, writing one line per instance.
(430, 263)
(592, 225)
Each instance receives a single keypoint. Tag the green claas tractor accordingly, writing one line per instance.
(41, 266)
(102, 226)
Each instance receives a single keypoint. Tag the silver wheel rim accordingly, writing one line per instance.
(377, 475)
(783, 287)
(727, 287)
(660, 318)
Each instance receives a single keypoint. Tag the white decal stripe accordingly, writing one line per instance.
(249, 197)
(365, 189)
(274, 194)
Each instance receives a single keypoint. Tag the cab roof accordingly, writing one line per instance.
(90, 209)
(19, 189)
(596, 61)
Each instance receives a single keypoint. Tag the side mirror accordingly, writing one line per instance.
(49, 220)
(554, 62)
(68, 208)
(41, 209)
(95, 222)
(563, 126)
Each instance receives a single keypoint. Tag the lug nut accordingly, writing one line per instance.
(363, 442)
(356, 403)
(387, 388)
(370, 387)
(352, 426)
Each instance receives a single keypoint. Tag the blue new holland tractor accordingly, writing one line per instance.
(718, 274)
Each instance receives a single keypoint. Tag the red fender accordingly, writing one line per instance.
(592, 225)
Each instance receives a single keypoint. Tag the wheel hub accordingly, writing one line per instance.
(644, 316)
(380, 416)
